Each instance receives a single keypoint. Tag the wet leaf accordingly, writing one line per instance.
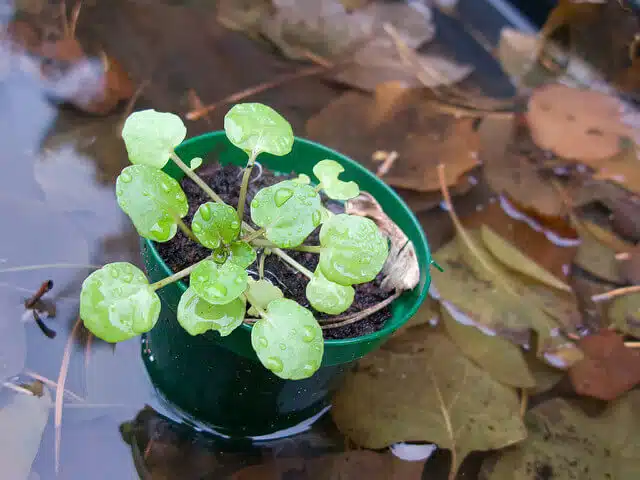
(502, 359)
(257, 128)
(153, 200)
(545, 376)
(260, 293)
(401, 270)
(328, 297)
(197, 316)
(401, 120)
(215, 223)
(516, 260)
(353, 250)
(624, 314)
(218, 284)
(596, 257)
(25, 417)
(362, 464)
(288, 340)
(565, 443)
(328, 172)
(117, 302)
(288, 211)
(608, 370)
(242, 254)
(625, 219)
(629, 267)
(151, 136)
(436, 395)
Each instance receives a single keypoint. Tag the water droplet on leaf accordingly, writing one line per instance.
(165, 186)
(316, 218)
(196, 227)
(282, 195)
(217, 290)
(263, 342)
(308, 334)
(125, 177)
(308, 368)
(274, 364)
(205, 212)
(283, 346)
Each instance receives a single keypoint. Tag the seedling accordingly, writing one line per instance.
(118, 302)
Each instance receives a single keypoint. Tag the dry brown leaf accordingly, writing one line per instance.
(436, 395)
(400, 120)
(608, 370)
(578, 124)
(401, 270)
(624, 314)
(607, 237)
(596, 257)
(622, 168)
(362, 464)
(629, 266)
(626, 220)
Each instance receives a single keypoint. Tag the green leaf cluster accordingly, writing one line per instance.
(118, 303)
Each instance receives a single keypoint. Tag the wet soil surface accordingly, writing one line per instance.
(180, 252)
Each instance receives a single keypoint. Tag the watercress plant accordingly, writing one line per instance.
(117, 302)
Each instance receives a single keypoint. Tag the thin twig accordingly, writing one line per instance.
(293, 263)
(360, 315)
(75, 14)
(632, 344)
(248, 92)
(52, 384)
(618, 292)
(62, 378)
(447, 422)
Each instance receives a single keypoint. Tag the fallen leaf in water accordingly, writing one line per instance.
(577, 124)
(400, 120)
(243, 15)
(401, 270)
(514, 259)
(361, 464)
(545, 376)
(607, 237)
(622, 168)
(22, 422)
(608, 370)
(624, 314)
(596, 257)
(629, 266)
(565, 443)
(436, 395)
(427, 314)
(499, 357)
(626, 220)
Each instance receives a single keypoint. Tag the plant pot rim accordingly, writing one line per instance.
(388, 328)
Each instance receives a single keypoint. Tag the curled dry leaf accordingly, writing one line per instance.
(401, 271)
(624, 314)
(608, 370)
(435, 395)
(577, 124)
(565, 443)
(401, 120)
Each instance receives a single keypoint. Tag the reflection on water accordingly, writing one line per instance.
(58, 208)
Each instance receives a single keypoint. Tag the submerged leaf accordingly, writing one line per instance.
(288, 341)
(502, 359)
(218, 284)
(353, 250)
(257, 128)
(328, 297)
(197, 316)
(288, 211)
(565, 443)
(624, 314)
(151, 136)
(215, 223)
(435, 395)
(153, 200)
(117, 302)
(260, 293)
(514, 259)
(328, 172)
(22, 422)
(596, 257)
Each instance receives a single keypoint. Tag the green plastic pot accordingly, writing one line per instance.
(218, 382)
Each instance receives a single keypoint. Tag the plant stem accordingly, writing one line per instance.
(196, 179)
(361, 315)
(293, 263)
(254, 235)
(300, 248)
(261, 312)
(616, 293)
(261, 265)
(245, 183)
(177, 276)
(186, 230)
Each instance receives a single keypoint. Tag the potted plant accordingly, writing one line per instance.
(229, 314)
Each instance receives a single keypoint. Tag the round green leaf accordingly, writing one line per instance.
(215, 223)
(327, 296)
(327, 172)
(257, 128)
(117, 303)
(353, 249)
(303, 179)
(288, 211)
(152, 199)
(260, 293)
(195, 163)
(242, 254)
(218, 284)
(151, 136)
(289, 340)
(197, 316)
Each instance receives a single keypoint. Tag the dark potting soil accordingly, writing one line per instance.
(180, 252)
